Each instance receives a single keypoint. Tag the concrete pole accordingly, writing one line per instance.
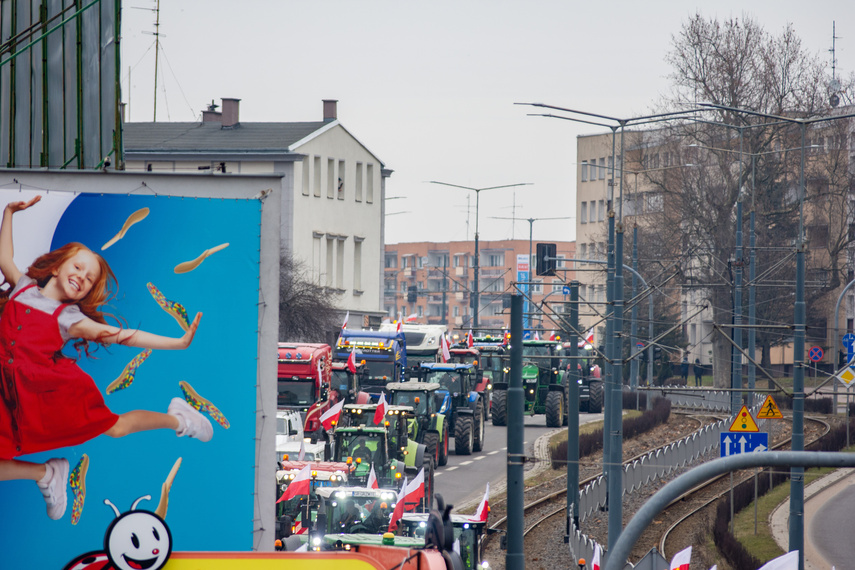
(736, 353)
(633, 327)
(515, 558)
(573, 413)
(752, 291)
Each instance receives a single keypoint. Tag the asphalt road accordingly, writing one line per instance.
(829, 527)
(466, 476)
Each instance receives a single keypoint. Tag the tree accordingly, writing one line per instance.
(306, 310)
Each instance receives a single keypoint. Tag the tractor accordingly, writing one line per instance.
(465, 408)
(428, 426)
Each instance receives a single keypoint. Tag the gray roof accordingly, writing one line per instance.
(211, 136)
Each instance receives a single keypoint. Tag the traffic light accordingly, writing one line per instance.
(657, 353)
(412, 294)
(546, 261)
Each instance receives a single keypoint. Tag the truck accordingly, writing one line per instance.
(303, 381)
(423, 343)
(429, 425)
(382, 352)
(463, 407)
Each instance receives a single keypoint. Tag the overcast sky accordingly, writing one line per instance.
(430, 87)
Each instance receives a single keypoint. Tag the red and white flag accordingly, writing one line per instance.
(351, 361)
(380, 412)
(415, 491)
(682, 559)
(536, 336)
(372, 479)
(344, 324)
(595, 561)
(302, 455)
(300, 485)
(330, 417)
(552, 336)
(411, 317)
(589, 339)
(400, 326)
(443, 343)
(789, 561)
(483, 508)
(470, 340)
(320, 373)
(398, 512)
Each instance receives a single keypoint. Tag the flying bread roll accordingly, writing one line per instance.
(137, 216)
(188, 266)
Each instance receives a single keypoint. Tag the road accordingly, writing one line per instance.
(466, 476)
(828, 521)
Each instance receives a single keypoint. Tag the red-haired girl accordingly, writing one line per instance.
(46, 400)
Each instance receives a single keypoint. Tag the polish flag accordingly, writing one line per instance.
(320, 373)
(552, 336)
(372, 479)
(300, 485)
(415, 491)
(536, 336)
(470, 340)
(344, 324)
(330, 417)
(446, 355)
(380, 412)
(400, 326)
(483, 508)
(302, 455)
(682, 559)
(410, 318)
(595, 561)
(399, 508)
(789, 561)
(589, 339)
(351, 361)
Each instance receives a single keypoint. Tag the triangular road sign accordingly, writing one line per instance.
(744, 421)
(769, 410)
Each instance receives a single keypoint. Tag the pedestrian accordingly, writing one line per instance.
(684, 371)
(698, 370)
(46, 400)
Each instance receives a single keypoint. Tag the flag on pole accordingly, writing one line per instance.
(536, 336)
(400, 326)
(302, 455)
(446, 355)
(470, 340)
(789, 561)
(344, 324)
(682, 559)
(300, 485)
(320, 373)
(552, 336)
(380, 412)
(483, 508)
(589, 339)
(330, 417)
(351, 361)
(411, 317)
(398, 512)
(595, 561)
(415, 491)
(372, 479)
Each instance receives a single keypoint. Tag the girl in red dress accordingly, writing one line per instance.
(46, 400)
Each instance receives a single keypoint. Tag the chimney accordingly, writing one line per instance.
(211, 114)
(231, 112)
(330, 110)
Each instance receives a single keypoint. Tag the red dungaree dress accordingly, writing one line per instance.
(46, 400)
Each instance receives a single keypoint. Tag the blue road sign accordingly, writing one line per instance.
(565, 290)
(815, 353)
(849, 340)
(734, 442)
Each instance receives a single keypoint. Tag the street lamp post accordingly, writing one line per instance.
(476, 292)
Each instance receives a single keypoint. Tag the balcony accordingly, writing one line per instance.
(460, 271)
(408, 272)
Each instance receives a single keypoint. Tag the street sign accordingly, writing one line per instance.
(744, 421)
(639, 345)
(565, 290)
(736, 443)
(846, 376)
(815, 353)
(849, 340)
(769, 410)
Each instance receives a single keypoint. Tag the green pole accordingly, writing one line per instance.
(514, 559)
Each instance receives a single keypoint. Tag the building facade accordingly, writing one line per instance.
(432, 283)
(332, 193)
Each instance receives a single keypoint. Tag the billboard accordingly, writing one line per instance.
(165, 251)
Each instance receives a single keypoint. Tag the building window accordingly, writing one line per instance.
(537, 286)
(359, 182)
(403, 286)
(316, 259)
(391, 260)
(611, 166)
(602, 173)
(593, 211)
(316, 176)
(601, 210)
(341, 179)
(389, 285)
(339, 264)
(583, 251)
(330, 258)
(496, 260)
(654, 202)
(557, 286)
(455, 311)
(307, 180)
(369, 183)
(584, 169)
(331, 178)
(357, 264)
(496, 285)
(421, 311)
(583, 212)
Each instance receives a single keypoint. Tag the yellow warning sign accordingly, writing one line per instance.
(744, 421)
(769, 410)
(846, 376)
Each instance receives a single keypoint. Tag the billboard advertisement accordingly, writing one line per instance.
(159, 415)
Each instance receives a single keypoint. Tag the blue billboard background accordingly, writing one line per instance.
(211, 501)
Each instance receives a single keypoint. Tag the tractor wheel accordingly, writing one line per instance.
(478, 437)
(554, 409)
(595, 397)
(443, 445)
(500, 410)
(463, 435)
(431, 442)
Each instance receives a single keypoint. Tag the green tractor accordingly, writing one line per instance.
(543, 385)
(463, 405)
(428, 426)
